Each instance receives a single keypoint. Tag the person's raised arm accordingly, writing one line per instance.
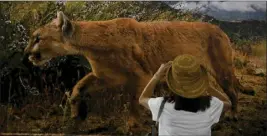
(148, 90)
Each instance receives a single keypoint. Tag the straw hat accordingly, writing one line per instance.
(186, 77)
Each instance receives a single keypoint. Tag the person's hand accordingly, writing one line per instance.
(162, 70)
(206, 93)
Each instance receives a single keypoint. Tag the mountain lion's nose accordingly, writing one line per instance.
(37, 55)
(34, 56)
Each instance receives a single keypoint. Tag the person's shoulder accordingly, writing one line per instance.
(215, 100)
(156, 99)
(154, 103)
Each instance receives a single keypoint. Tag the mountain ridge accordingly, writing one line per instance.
(251, 12)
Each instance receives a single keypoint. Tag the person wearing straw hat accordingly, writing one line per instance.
(193, 106)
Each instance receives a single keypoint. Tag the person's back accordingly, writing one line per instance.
(193, 106)
(181, 122)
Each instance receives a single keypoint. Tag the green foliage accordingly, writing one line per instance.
(32, 14)
(243, 33)
(142, 11)
(71, 7)
(3, 56)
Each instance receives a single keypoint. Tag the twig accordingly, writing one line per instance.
(32, 90)
(21, 81)
(66, 105)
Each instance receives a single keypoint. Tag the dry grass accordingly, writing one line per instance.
(259, 54)
(251, 108)
(240, 59)
(259, 49)
(256, 60)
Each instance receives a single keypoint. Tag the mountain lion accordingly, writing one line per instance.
(123, 51)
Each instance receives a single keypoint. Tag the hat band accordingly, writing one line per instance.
(182, 79)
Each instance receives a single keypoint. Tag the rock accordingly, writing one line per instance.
(260, 72)
(256, 71)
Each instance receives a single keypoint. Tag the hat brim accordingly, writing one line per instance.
(188, 91)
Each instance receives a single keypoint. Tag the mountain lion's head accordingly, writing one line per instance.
(50, 40)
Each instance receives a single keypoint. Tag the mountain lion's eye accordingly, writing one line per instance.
(37, 39)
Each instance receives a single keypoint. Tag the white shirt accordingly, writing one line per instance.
(181, 123)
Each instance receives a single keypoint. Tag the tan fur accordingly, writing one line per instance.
(126, 52)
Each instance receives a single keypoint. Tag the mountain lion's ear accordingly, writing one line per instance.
(64, 23)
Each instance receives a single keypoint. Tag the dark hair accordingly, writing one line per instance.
(189, 104)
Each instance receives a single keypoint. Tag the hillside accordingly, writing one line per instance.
(31, 95)
(226, 10)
